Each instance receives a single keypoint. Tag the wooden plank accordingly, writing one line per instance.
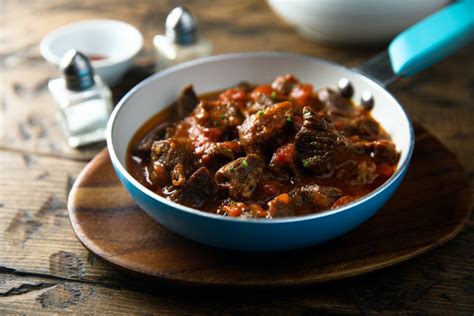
(43, 296)
(35, 233)
(431, 284)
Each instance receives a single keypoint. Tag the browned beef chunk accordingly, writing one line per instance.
(385, 151)
(362, 147)
(346, 170)
(244, 86)
(262, 102)
(306, 199)
(381, 150)
(240, 176)
(319, 147)
(171, 130)
(143, 148)
(171, 159)
(365, 173)
(260, 127)
(314, 196)
(334, 102)
(364, 127)
(284, 84)
(199, 188)
(187, 101)
(357, 172)
(218, 114)
(220, 153)
(281, 206)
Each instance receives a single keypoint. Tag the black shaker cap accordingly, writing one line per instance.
(181, 26)
(77, 71)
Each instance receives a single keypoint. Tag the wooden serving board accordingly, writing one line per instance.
(429, 208)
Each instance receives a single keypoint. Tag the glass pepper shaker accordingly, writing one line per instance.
(83, 99)
(181, 42)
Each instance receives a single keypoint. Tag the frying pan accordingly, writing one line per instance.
(415, 49)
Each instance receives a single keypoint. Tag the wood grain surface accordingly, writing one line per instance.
(44, 269)
(429, 209)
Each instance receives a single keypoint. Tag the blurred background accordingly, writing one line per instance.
(231, 26)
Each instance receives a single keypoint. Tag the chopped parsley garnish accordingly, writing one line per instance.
(289, 119)
(306, 163)
(274, 94)
(231, 169)
(223, 116)
(260, 113)
(245, 163)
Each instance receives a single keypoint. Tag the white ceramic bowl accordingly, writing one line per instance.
(119, 42)
(218, 72)
(353, 22)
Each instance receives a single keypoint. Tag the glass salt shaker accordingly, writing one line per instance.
(83, 99)
(181, 41)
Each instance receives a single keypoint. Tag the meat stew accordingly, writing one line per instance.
(265, 151)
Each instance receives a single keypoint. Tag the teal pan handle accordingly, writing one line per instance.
(432, 39)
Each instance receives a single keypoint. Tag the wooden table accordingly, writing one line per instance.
(43, 267)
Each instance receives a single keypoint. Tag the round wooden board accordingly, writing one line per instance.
(429, 208)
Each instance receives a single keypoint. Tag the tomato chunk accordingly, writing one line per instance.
(285, 154)
(385, 170)
(343, 200)
(271, 187)
(302, 94)
(263, 89)
(236, 95)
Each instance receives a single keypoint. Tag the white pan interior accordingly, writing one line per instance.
(219, 72)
